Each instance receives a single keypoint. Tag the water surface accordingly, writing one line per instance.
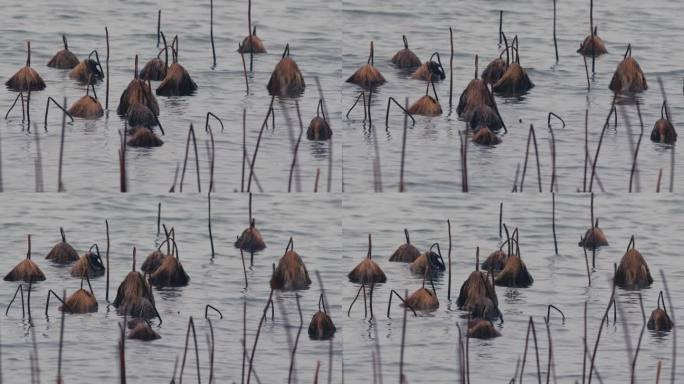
(90, 340)
(432, 339)
(432, 151)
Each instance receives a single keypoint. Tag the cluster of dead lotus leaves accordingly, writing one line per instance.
(477, 295)
(632, 273)
(289, 275)
(507, 77)
(134, 295)
(138, 104)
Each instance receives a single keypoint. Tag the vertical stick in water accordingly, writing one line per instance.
(377, 168)
(249, 34)
(672, 169)
(191, 134)
(464, 160)
(244, 67)
(403, 152)
(531, 136)
(38, 162)
(674, 329)
(256, 148)
(591, 17)
(191, 327)
(536, 155)
(244, 335)
(256, 337)
(158, 26)
(449, 259)
(402, 379)
(598, 148)
(61, 344)
(107, 65)
(158, 218)
(660, 176)
(211, 236)
(122, 352)
(318, 176)
(244, 148)
(584, 341)
(636, 150)
(451, 65)
(296, 148)
(586, 148)
(586, 71)
(553, 220)
(500, 218)
(555, 42)
(60, 186)
(211, 30)
(500, 25)
(586, 261)
(28, 109)
(107, 256)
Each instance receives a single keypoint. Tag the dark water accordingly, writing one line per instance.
(432, 339)
(90, 340)
(432, 151)
(90, 151)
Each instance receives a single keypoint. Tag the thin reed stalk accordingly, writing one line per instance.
(191, 134)
(211, 31)
(256, 149)
(107, 62)
(256, 338)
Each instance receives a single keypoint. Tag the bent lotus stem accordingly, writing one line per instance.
(631, 243)
(47, 105)
(365, 308)
(406, 112)
(47, 303)
(406, 305)
(369, 255)
(362, 94)
(88, 280)
(23, 311)
(206, 311)
(206, 122)
(548, 312)
(23, 111)
(371, 54)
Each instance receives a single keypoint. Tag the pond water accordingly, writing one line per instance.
(91, 147)
(432, 146)
(559, 279)
(90, 340)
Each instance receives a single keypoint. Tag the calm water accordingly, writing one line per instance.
(329, 40)
(90, 152)
(432, 339)
(90, 340)
(432, 151)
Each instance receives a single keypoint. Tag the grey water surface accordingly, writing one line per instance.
(559, 279)
(432, 147)
(91, 147)
(90, 340)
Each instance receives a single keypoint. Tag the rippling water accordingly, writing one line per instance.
(432, 339)
(432, 151)
(90, 352)
(329, 40)
(90, 151)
